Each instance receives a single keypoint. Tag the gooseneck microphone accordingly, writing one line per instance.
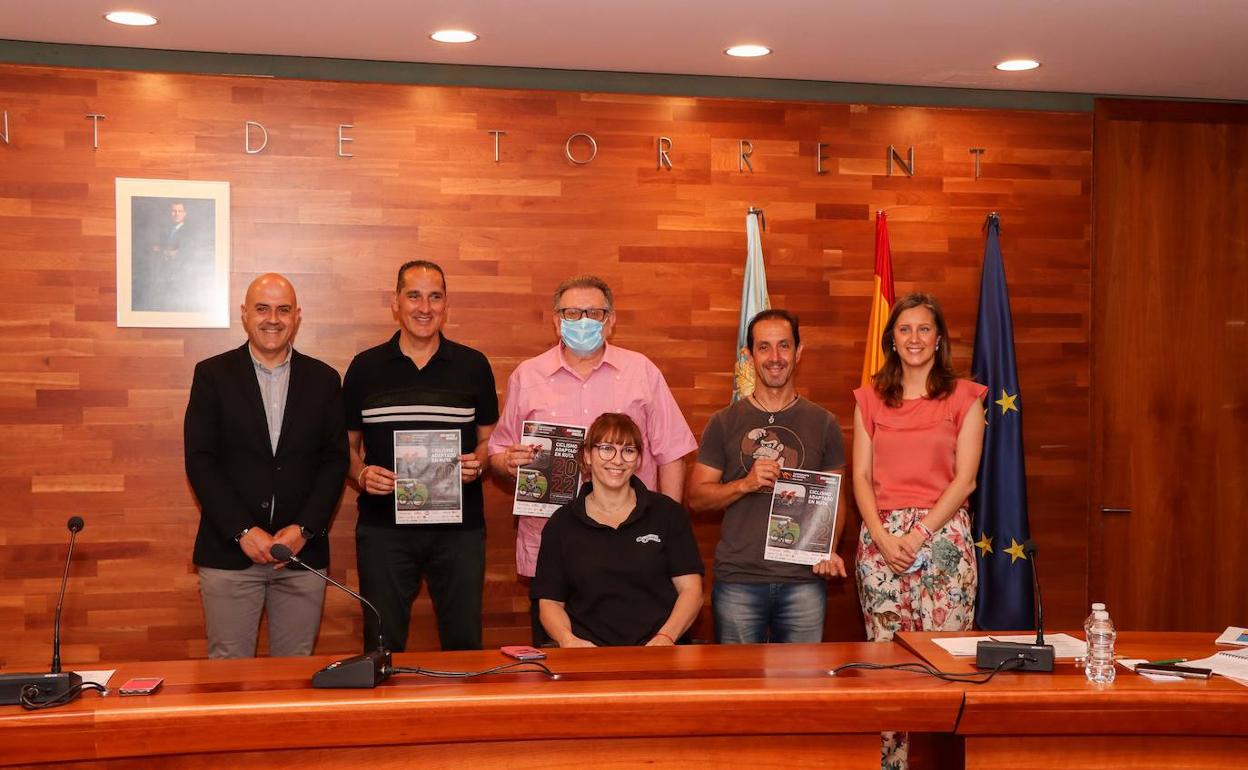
(1029, 549)
(55, 687)
(361, 671)
(75, 525)
(1035, 657)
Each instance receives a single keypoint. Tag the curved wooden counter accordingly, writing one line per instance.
(688, 706)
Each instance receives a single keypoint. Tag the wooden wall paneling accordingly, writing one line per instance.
(92, 413)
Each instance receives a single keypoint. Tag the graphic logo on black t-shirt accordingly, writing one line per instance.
(772, 442)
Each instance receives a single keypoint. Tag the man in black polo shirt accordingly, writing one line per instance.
(419, 380)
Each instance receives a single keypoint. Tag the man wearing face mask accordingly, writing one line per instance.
(575, 381)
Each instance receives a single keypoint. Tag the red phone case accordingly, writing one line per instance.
(522, 652)
(142, 685)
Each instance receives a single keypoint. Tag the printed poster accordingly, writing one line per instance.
(802, 521)
(427, 487)
(553, 477)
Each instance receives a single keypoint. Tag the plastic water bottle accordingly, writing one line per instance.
(1087, 623)
(1099, 666)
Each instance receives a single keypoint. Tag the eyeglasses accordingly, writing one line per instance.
(577, 313)
(628, 452)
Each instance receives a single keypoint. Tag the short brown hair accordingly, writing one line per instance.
(585, 282)
(613, 427)
(424, 264)
(773, 314)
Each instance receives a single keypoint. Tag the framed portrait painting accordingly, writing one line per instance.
(173, 253)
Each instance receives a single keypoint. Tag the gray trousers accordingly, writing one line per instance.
(233, 600)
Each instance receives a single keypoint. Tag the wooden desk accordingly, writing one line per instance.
(1040, 720)
(697, 706)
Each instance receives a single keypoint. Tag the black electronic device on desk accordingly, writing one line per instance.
(359, 671)
(56, 686)
(1035, 657)
(1172, 669)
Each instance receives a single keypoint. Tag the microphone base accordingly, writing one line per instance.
(358, 672)
(1035, 657)
(49, 686)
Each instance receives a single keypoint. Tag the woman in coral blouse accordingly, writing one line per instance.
(918, 432)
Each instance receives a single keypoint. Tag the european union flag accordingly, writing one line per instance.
(1000, 498)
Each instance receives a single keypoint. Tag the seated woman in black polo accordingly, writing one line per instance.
(619, 564)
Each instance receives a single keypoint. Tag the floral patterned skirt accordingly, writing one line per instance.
(939, 596)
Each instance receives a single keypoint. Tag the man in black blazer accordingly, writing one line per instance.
(266, 453)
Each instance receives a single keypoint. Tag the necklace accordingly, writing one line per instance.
(771, 414)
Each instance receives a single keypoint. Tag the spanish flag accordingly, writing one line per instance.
(882, 299)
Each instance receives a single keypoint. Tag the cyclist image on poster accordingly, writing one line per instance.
(530, 484)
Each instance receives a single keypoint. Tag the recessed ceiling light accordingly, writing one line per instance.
(1018, 65)
(131, 18)
(748, 51)
(453, 36)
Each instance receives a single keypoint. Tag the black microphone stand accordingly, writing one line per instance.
(1035, 657)
(359, 671)
(75, 526)
(56, 685)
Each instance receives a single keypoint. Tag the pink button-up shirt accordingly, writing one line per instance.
(545, 388)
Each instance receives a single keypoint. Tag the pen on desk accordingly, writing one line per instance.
(1167, 661)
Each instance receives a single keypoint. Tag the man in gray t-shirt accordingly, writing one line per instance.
(742, 450)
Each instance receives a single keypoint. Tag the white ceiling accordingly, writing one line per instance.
(1197, 48)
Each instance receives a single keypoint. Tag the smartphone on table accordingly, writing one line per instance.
(142, 685)
(522, 652)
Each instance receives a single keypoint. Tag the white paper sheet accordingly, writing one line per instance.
(99, 676)
(1064, 645)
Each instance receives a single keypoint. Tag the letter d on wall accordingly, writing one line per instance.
(247, 138)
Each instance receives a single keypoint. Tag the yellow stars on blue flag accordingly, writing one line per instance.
(984, 544)
(1015, 551)
(1006, 402)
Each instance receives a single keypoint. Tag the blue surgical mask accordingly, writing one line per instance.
(582, 337)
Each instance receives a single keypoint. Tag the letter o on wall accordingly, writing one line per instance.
(593, 148)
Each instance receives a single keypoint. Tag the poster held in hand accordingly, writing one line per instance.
(553, 477)
(802, 521)
(427, 486)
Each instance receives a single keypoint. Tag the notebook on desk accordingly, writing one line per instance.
(1232, 664)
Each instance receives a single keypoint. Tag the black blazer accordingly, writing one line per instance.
(235, 473)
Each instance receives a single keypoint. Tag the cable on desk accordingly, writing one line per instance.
(518, 667)
(923, 668)
(30, 693)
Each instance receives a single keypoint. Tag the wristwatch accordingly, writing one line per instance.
(306, 533)
(239, 537)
